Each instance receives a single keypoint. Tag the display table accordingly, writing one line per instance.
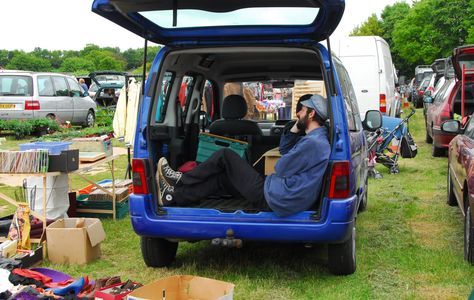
(87, 167)
(82, 168)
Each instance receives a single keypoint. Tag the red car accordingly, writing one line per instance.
(461, 177)
(447, 103)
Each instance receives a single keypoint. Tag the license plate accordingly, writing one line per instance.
(7, 106)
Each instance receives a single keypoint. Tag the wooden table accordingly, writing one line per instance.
(77, 172)
(88, 167)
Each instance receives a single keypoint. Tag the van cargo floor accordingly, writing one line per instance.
(226, 204)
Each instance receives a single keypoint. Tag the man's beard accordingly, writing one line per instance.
(302, 124)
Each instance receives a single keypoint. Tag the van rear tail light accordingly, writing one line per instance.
(340, 180)
(383, 103)
(139, 169)
(32, 105)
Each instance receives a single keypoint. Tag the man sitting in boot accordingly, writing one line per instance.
(293, 187)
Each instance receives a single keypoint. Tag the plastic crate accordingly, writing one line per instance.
(209, 143)
(53, 148)
(121, 208)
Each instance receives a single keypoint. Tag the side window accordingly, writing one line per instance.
(163, 96)
(207, 104)
(440, 95)
(45, 86)
(74, 87)
(469, 131)
(346, 93)
(185, 89)
(60, 86)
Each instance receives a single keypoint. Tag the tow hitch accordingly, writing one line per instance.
(229, 241)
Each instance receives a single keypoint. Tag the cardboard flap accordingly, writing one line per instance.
(96, 232)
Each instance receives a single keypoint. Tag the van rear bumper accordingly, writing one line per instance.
(334, 226)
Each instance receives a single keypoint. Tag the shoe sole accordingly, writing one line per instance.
(160, 175)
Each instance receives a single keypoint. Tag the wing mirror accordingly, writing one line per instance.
(427, 99)
(451, 126)
(372, 121)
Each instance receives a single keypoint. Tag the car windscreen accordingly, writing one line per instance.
(16, 85)
(110, 80)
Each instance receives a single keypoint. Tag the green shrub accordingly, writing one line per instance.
(46, 123)
(104, 116)
(20, 128)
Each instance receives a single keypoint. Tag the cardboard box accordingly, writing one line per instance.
(184, 287)
(271, 158)
(70, 245)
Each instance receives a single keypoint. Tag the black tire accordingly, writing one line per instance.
(363, 200)
(451, 199)
(436, 151)
(468, 236)
(158, 252)
(90, 119)
(428, 138)
(342, 257)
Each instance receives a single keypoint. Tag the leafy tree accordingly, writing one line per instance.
(23, 61)
(373, 26)
(74, 64)
(4, 57)
(391, 15)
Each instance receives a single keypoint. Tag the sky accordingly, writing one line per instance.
(70, 24)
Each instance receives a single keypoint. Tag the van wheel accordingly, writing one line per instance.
(468, 236)
(436, 151)
(451, 197)
(363, 200)
(342, 257)
(90, 119)
(158, 252)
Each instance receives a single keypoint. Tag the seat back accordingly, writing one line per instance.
(234, 110)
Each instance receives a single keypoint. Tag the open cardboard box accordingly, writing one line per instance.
(70, 245)
(184, 287)
(271, 158)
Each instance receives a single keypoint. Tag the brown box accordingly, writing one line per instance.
(94, 144)
(184, 287)
(70, 245)
(271, 157)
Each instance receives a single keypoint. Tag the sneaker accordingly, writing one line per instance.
(166, 193)
(165, 171)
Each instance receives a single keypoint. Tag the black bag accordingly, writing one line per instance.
(408, 148)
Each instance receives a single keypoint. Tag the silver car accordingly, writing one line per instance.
(32, 95)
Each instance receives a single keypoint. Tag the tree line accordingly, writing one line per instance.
(420, 33)
(90, 58)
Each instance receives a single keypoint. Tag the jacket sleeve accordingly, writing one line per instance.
(287, 141)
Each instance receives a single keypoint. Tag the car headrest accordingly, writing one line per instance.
(234, 107)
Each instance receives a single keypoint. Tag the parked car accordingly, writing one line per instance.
(106, 86)
(31, 95)
(447, 104)
(206, 58)
(461, 177)
(420, 90)
(369, 63)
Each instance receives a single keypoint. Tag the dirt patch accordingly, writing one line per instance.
(437, 292)
(427, 233)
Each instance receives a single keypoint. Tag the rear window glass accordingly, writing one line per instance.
(267, 100)
(60, 86)
(12, 85)
(240, 17)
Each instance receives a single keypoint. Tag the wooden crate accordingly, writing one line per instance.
(303, 87)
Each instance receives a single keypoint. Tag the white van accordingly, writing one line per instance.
(369, 63)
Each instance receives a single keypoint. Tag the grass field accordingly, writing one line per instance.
(409, 246)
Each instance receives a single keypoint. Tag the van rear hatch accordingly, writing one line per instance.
(16, 94)
(187, 21)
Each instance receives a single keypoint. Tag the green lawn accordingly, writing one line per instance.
(409, 246)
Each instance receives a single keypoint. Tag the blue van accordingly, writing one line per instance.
(268, 52)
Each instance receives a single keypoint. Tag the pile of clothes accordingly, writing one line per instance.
(43, 283)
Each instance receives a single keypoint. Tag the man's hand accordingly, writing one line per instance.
(295, 128)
